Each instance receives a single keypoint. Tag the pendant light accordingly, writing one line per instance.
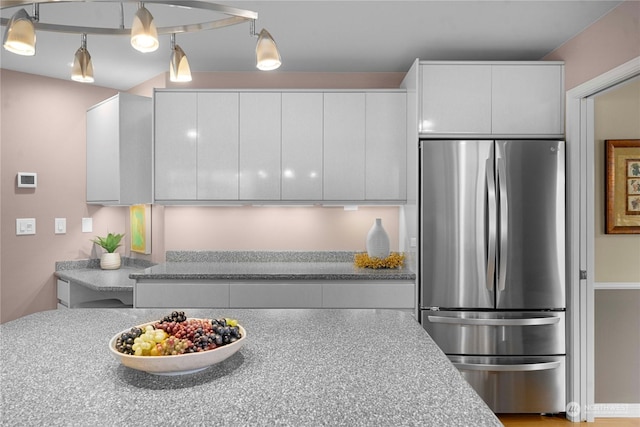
(144, 34)
(20, 35)
(179, 70)
(82, 66)
(267, 55)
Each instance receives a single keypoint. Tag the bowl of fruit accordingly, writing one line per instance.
(177, 345)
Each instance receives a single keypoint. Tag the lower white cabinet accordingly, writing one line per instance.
(392, 294)
(275, 295)
(181, 294)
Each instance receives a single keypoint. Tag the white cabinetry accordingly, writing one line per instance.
(385, 151)
(302, 121)
(344, 146)
(396, 294)
(279, 147)
(217, 146)
(260, 133)
(175, 145)
(119, 151)
(502, 98)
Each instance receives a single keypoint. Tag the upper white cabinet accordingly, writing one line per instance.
(218, 146)
(302, 121)
(344, 146)
(260, 133)
(509, 98)
(280, 147)
(527, 99)
(119, 151)
(385, 151)
(175, 145)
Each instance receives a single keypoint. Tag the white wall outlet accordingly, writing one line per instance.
(87, 225)
(413, 242)
(60, 225)
(25, 226)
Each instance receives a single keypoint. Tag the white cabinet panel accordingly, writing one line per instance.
(217, 153)
(455, 98)
(275, 295)
(344, 146)
(181, 294)
(260, 125)
(64, 293)
(119, 151)
(370, 294)
(175, 145)
(302, 121)
(385, 146)
(527, 99)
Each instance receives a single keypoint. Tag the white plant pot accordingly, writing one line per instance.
(110, 261)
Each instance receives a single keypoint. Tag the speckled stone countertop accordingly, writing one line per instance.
(297, 368)
(246, 265)
(88, 273)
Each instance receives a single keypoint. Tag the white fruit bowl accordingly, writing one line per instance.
(180, 364)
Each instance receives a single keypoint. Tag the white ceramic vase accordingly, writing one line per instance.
(110, 261)
(377, 241)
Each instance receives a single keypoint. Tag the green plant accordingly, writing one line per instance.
(109, 243)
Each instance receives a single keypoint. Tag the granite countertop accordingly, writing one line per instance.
(256, 265)
(297, 368)
(89, 274)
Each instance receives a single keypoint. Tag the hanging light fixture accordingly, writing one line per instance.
(179, 70)
(20, 35)
(267, 55)
(144, 34)
(82, 65)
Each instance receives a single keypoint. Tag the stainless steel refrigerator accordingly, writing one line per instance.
(492, 266)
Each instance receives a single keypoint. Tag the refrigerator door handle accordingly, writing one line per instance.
(508, 368)
(535, 321)
(491, 224)
(504, 225)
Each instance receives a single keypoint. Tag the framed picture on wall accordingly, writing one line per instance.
(140, 220)
(623, 186)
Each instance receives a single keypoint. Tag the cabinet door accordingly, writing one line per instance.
(217, 146)
(527, 99)
(386, 125)
(344, 146)
(103, 154)
(455, 99)
(260, 123)
(302, 146)
(175, 146)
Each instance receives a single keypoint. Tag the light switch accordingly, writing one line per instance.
(87, 225)
(413, 242)
(60, 225)
(25, 226)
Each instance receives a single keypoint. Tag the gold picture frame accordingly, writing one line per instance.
(623, 186)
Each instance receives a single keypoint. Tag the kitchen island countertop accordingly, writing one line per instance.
(298, 367)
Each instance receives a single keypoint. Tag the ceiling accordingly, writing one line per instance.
(321, 36)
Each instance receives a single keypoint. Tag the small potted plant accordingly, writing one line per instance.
(110, 260)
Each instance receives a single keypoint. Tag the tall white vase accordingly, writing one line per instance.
(110, 261)
(377, 241)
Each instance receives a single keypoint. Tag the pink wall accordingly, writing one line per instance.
(43, 131)
(609, 42)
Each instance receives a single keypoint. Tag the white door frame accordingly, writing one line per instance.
(580, 164)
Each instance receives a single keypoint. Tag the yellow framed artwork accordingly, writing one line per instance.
(623, 186)
(140, 220)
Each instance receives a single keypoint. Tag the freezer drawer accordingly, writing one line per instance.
(496, 333)
(516, 384)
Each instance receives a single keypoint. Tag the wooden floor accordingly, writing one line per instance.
(511, 420)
